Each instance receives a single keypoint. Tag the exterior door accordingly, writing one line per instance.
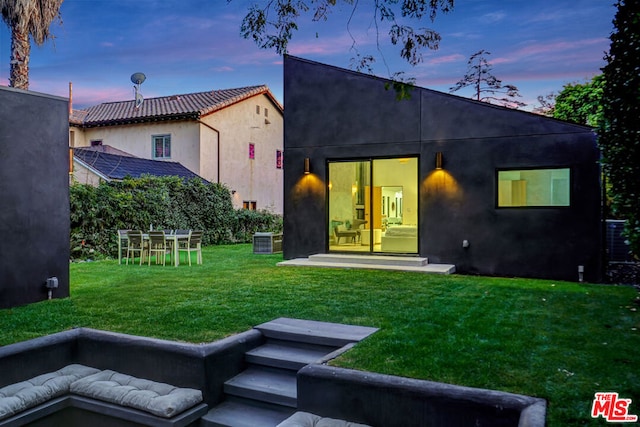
(373, 206)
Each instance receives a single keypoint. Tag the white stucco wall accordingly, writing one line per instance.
(252, 179)
(82, 175)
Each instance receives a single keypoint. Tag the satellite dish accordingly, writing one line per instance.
(138, 78)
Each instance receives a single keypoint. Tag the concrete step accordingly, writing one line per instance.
(370, 262)
(271, 385)
(237, 412)
(287, 354)
(314, 332)
(407, 261)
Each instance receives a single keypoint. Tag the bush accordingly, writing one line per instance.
(164, 203)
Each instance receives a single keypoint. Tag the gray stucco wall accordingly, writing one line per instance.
(333, 114)
(34, 186)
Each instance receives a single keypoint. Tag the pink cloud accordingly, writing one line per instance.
(551, 50)
(223, 69)
(446, 59)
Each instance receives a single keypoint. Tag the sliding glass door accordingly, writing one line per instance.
(373, 205)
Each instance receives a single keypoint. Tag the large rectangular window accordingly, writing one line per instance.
(373, 205)
(161, 146)
(534, 187)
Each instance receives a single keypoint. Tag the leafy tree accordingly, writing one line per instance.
(272, 23)
(581, 102)
(485, 85)
(27, 18)
(547, 105)
(619, 131)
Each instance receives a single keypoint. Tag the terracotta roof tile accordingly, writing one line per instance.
(175, 107)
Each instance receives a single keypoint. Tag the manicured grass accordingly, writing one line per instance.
(557, 340)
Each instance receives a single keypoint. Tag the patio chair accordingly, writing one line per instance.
(194, 244)
(135, 244)
(122, 244)
(159, 246)
(182, 243)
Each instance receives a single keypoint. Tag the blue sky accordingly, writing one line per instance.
(188, 46)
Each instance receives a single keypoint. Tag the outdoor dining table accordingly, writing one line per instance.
(174, 238)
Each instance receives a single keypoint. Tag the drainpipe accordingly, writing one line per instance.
(218, 150)
(70, 99)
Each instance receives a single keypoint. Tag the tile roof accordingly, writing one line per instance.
(175, 107)
(115, 166)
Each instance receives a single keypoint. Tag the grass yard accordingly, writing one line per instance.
(557, 340)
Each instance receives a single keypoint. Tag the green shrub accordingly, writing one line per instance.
(164, 203)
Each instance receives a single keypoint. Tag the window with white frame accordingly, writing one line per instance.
(161, 146)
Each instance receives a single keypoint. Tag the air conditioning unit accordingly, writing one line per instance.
(618, 249)
(267, 243)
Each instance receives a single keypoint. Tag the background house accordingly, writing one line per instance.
(231, 136)
(492, 190)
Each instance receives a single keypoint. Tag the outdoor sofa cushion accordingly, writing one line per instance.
(306, 419)
(160, 399)
(20, 396)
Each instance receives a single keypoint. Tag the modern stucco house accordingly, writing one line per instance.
(34, 212)
(492, 190)
(230, 136)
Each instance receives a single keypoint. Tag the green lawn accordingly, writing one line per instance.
(557, 340)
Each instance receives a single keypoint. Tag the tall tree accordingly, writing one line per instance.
(271, 24)
(581, 102)
(619, 131)
(486, 86)
(547, 104)
(27, 18)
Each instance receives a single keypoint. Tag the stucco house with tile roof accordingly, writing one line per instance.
(229, 136)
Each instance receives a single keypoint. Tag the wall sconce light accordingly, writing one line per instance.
(307, 166)
(439, 160)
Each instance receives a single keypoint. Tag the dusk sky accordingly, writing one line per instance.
(186, 46)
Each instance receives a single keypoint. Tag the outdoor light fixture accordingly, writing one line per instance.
(307, 166)
(439, 160)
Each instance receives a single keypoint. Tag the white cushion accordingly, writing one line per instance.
(306, 419)
(20, 396)
(163, 400)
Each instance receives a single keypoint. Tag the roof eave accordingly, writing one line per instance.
(139, 120)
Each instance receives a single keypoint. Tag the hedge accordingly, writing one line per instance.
(164, 203)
